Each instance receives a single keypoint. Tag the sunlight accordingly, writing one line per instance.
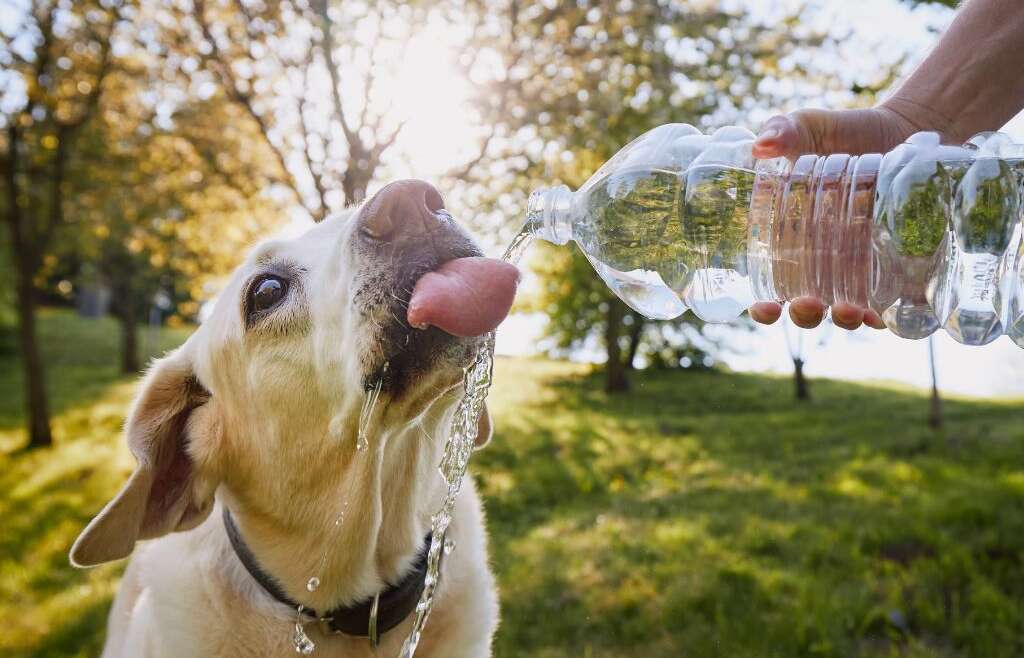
(431, 95)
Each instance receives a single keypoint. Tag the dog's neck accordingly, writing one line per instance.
(353, 518)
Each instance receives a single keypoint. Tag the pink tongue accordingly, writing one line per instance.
(464, 297)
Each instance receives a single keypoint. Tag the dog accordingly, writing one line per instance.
(251, 479)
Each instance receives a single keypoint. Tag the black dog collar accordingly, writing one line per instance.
(394, 603)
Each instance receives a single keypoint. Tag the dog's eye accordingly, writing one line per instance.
(266, 293)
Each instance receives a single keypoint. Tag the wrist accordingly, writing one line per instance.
(905, 116)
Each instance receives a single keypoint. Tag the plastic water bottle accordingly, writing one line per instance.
(927, 235)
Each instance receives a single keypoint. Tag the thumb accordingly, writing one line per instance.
(830, 131)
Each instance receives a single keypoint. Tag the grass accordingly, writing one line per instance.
(702, 515)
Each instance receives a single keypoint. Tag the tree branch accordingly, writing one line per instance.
(463, 172)
(92, 98)
(386, 143)
(55, 211)
(327, 46)
(222, 69)
(317, 176)
(23, 252)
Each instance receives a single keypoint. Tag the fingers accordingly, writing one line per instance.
(807, 312)
(766, 312)
(847, 316)
(779, 137)
(874, 130)
(872, 320)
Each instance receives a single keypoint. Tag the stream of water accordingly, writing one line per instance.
(476, 383)
(457, 450)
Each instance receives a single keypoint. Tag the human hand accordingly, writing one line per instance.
(822, 132)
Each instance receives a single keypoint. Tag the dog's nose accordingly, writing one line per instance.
(402, 209)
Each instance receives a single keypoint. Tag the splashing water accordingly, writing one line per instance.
(300, 640)
(303, 645)
(475, 384)
(458, 448)
(369, 404)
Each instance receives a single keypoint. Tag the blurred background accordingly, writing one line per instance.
(655, 489)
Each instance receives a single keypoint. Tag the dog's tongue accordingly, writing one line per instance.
(464, 297)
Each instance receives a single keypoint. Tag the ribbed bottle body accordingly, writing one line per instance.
(927, 235)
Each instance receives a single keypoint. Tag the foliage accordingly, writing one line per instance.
(56, 56)
(49, 494)
(56, 70)
(986, 206)
(917, 208)
(171, 203)
(315, 80)
(702, 515)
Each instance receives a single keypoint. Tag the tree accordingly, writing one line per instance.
(57, 60)
(171, 200)
(796, 354)
(935, 405)
(316, 79)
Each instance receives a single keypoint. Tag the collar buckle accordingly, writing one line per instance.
(371, 629)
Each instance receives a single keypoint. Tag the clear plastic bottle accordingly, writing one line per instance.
(927, 235)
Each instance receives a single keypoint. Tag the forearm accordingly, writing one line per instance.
(974, 78)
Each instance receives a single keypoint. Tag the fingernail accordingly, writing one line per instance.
(768, 134)
(874, 323)
(806, 318)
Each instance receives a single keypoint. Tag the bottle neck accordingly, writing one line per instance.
(549, 214)
(810, 228)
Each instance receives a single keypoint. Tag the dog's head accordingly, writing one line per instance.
(270, 387)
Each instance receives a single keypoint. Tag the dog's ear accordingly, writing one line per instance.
(164, 493)
(484, 429)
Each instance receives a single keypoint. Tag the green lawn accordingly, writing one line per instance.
(702, 515)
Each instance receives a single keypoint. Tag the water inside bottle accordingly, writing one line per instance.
(666, 241)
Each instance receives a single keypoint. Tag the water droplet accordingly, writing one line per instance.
(449, 546)
(336, 428)
(313, 584)
(303, 645)
(366, 413)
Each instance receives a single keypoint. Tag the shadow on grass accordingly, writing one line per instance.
(711, 515)
(81, 359)
(47, 607)
(79, 635)
(700, 515)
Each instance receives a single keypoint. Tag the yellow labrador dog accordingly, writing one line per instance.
(246, 442)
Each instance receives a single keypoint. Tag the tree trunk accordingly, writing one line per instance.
(614, 370)
(635, 333)
(37, 406)
(935, 413)
(802, 390)
(129, 336)
(24, 259)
